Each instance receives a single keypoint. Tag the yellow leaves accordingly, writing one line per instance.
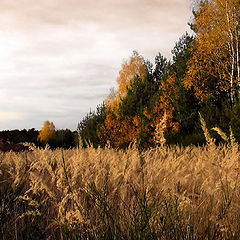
(113, 99)
(135, 66)
(48, 131)
(211, 69)
(198, 75)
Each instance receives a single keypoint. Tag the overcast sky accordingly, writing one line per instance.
(59, 58)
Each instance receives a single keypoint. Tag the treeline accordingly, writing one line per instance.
(165, 97)
(20, 136)
(63, 138)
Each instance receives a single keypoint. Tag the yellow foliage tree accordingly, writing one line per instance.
(214, 67)
(134, 66)
(47, 132)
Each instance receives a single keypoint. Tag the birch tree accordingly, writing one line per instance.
(48, 131)
(214, 67)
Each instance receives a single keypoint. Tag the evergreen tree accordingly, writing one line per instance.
(88, 127)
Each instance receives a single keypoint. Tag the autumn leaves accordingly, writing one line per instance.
(120, 130)
(130, 115)
(47, 132)
(214, 67)
(203, 76)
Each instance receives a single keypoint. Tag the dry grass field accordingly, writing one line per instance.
(161, 193)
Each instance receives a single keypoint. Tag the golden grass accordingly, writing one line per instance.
(85, 190)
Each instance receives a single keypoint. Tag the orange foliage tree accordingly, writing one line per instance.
(164, 107)
(117, 129)
(47, 132)
(214, 67)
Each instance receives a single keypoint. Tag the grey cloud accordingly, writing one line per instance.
(115, 13)
(87, 95)
(61, 57)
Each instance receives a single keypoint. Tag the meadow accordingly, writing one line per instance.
(160, 193)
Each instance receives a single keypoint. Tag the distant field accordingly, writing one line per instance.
(163, 193)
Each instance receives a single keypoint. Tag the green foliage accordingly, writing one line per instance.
(89, 125)
(161, 67)
(217, 112)
(63, 139)
(187, 105)
(142, 92)
(181, 55)
(18, 136)
(137, 98)
(235, 121)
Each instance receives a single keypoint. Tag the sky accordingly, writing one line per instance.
(59, 58)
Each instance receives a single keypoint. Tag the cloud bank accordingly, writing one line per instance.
(60, 58)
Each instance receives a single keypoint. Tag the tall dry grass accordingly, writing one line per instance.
(162, 193)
